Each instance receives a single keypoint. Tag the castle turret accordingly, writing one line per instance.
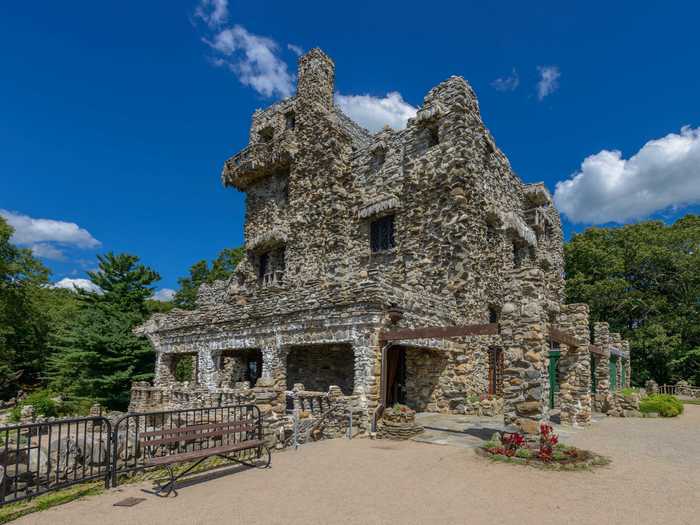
(316, 78)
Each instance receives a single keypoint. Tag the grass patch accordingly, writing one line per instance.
(13, 511)
(691, 401)
(663, 404)
(629, 392)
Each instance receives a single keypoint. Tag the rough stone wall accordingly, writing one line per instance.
(601, 337)
(464, 224)
(524, 331)
(319, 367)
(575, 364)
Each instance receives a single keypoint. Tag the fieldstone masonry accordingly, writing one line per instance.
(342, 226)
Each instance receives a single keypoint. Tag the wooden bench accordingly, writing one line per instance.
(234, 437)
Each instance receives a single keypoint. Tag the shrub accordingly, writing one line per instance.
(524, 453)
(45, 405)
(629, 392)
(664, 404)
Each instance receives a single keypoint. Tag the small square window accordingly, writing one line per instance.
(267, 134)
(382, 234)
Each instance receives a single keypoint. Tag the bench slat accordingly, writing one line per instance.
(197, 454)
(194, 428)
(176, 438)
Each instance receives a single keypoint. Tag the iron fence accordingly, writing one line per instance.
(40, 457)
(37, 458)
(130, 451)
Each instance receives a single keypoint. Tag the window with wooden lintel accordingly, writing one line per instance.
(382, 234)
(496, 371)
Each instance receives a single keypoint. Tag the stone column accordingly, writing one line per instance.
(208, 365)
(274, 374)
(164, 370)
(628, 363)
(617, 343)
(523, 330)
(601, 337)
(575, 364)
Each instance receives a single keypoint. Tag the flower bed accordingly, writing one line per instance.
(513, 448)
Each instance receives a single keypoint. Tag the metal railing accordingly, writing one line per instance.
(128, 451)
(682, 390)
(41, 457)
(37, 458)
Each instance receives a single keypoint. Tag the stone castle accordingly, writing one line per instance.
(349, 235)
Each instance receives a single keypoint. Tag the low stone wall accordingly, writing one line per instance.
(620, 405)
(326, 414)
(485, 406)
(398, 424)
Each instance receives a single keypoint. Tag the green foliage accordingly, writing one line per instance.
(629, 392)
(22, 323)
(184, 369)
(663, 404)
(645, 280)
(221, 268)
(96, 355)
(524, 453)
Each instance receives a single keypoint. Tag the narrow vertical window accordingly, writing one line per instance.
(496, 371)
(264, 265)
(382, 234)
(290, 120)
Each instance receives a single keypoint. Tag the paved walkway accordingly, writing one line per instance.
(654, 479)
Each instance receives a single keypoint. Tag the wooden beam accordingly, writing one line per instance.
(561, 337)
(439, 332)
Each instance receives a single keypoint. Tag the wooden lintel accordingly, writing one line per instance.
(561, 337)
(438, 332)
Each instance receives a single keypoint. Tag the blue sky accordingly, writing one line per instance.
(116, 117)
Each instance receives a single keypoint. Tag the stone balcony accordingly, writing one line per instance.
(259, 160)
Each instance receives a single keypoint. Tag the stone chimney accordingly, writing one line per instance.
(316, 78)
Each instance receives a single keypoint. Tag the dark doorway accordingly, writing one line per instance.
(396, 376)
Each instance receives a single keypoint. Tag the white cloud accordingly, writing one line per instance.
(253, 59)
(81, 284)
(608, 188)
(509, 83)
(164, 294)
(549, 81)
(47, 251)
(374, 113)
(30, 231)
(297, 50)
(213, 12)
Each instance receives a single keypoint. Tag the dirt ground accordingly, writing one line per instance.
(654, 478)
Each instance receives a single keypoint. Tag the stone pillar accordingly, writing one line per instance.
(616, 339)
(628, 363)
(524, 334)
(208, 365)
(601, 337)
(164, 370)
(575, 364)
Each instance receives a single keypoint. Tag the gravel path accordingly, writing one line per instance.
(654, 478)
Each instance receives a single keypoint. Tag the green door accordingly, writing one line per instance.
(613, 375)
(594, 379)
(553, 383)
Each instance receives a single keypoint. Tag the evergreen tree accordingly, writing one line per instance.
(222, 267)
(96, 355)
